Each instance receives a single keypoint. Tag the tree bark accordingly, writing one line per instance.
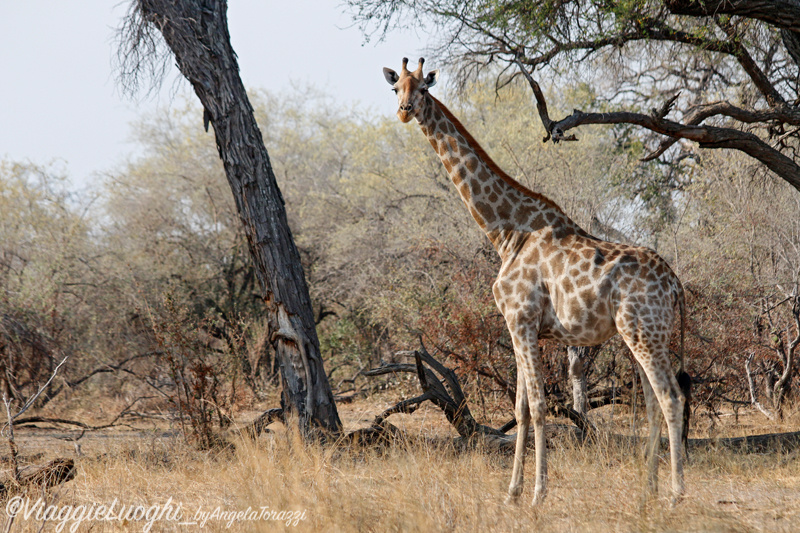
(197, 33)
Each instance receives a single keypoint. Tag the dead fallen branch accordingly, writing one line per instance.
(766, 443)
(44, 476)
(449, 398)
(50, 474)
(440, 385)
(259, 425)
(124, 413)
(447, 394)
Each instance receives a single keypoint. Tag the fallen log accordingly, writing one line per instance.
(447, 394)
(44, 476)
(259, 425)
(765, 443)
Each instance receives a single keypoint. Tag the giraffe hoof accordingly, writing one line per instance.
(512, 498)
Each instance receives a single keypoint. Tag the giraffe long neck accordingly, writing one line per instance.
(502, 207)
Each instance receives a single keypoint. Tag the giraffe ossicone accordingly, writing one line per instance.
(557, 281)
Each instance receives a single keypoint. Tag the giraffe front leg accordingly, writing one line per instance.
(538, 414)
(526, 344)
(523, 416)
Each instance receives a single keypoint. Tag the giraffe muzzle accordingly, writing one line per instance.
(404, 113)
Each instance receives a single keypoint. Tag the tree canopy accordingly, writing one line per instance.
(720, 74)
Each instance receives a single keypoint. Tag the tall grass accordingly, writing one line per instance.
(424, 484)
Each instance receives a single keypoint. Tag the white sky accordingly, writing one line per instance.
(58, 96)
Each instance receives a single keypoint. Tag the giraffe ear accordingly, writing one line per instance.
(390, 75)
(432, 78)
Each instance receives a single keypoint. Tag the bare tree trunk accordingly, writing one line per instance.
(196, 31)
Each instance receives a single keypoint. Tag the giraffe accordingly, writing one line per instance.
(557, 281)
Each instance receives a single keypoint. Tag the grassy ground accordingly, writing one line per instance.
(420, 484)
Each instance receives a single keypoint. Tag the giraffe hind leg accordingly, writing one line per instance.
(656, 366)
(654, 420)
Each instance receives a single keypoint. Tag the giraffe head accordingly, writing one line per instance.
(410, 88)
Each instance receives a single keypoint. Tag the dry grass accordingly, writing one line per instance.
(424, 485)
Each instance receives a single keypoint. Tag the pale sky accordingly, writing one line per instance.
(59, 101)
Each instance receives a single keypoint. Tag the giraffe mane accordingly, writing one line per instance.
(481, 153)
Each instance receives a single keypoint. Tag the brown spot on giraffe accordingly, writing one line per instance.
(475, 185)
(452, 145)
(504, 209)
(567, 286)
(522, 215)
(486, 212)
(607, 282)
(448, 166)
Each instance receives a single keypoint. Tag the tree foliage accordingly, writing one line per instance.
(158, 263)
(727, 77)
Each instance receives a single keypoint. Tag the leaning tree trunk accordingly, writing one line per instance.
(197, 33)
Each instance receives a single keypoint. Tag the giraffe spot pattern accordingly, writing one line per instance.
(558, 282)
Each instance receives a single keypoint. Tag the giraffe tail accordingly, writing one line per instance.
(683, 377)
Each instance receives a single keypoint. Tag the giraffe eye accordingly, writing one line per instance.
(394, 90)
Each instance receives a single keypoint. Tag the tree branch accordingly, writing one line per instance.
(705, 136)
(541, 103)
(452, 403)
(750, 67)
(780, 13)
(651, 29)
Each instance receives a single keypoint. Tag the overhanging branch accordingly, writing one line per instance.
(780, 13)
(705, 136)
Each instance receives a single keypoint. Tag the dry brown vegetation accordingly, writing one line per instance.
(423, 484)
(147, 287)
